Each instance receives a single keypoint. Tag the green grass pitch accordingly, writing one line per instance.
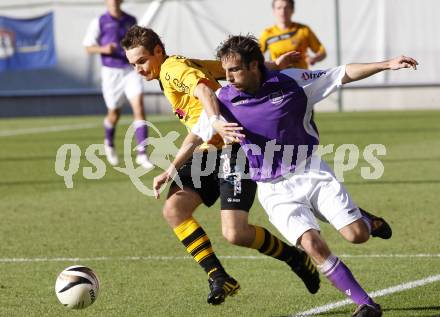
(144, 271)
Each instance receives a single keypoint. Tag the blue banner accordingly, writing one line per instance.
(27, 43)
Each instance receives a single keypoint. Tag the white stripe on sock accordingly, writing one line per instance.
(329, 265)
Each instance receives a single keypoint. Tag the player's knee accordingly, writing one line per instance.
(357, 237)
(174, 214)
(168, 211)
(314, 245)
(113, 116)
(356, 232)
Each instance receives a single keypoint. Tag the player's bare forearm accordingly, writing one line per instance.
(354, 72)
(93, 49)
(322, 54)
(190, 143)
(283, 61)
(96, 49)
(208, 99)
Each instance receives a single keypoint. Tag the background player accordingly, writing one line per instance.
(118, 78)
(188, 85)
(287, 36)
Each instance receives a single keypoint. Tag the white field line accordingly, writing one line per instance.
(55, 128)
(379, 293)
(79, 126)
(168, 258)
(311, 312)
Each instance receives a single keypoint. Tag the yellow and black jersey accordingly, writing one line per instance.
(298, 37)
(179, 77)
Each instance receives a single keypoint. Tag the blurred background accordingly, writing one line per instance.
(351, 31)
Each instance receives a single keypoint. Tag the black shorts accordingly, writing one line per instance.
(214, 174)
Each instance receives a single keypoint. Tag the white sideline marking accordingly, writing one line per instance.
(383, 292)
(80, 126)
(313, 311)
(162, 258)
(124, 258)
(420, 255)
(55, 128)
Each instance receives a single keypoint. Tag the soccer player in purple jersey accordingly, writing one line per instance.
(294, 186)
(119, 80)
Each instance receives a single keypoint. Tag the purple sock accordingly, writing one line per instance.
(109, 133)
(367, 222)
(341, 278)
(141, 133)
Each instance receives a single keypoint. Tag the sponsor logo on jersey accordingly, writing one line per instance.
(177, 83)
(276, 97)
(240, 102)
(277, 38)
(181, 86)
(312, 75)
(233, 200)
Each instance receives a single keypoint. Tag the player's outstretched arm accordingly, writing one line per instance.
(189, 144)
(354, 72)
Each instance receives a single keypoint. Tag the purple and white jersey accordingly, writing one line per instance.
(277, 119)
(107, 29)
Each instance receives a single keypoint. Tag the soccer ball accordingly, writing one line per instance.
(77, 287)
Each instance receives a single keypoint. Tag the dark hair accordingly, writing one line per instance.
(246, 47)
(291, 2)
(140, 36)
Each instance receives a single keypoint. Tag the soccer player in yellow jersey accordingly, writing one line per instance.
(286, 36)
(189, 86)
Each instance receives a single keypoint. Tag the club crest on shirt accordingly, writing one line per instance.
(276, 97)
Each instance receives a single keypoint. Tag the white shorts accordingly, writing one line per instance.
(119, 84)
(293, 203)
